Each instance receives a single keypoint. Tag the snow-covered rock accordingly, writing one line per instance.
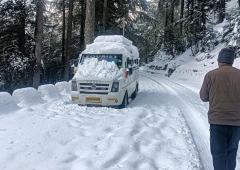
(7, 103)
(27, 97)
(63, 87)
(203, 56)
(98, 70)
(49, 92)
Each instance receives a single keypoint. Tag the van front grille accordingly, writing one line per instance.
(94, 88)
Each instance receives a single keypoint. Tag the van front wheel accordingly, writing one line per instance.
(124, 102)
(134, 95)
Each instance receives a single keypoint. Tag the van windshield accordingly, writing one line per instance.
(116, 58)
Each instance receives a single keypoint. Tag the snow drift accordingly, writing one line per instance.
(63, 87)
(27, 97)
(49, 92)
(7, 104)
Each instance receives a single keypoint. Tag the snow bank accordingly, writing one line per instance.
(98, 70)
(27, 97)
(49, 92)
(7, 104)
(194, 70)
(113, 39)
(203, 56)
(63, 87)
(161, 60)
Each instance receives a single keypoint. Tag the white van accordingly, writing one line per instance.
(95, 85)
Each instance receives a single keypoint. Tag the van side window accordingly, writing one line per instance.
(129, 63)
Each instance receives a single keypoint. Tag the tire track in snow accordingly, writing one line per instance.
(154, 97)
(198, 126)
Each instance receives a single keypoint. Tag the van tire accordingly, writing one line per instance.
(124, 102)
(134, 95)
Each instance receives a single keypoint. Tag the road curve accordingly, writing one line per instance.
(193, 112)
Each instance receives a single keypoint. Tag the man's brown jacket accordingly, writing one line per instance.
(221, 87)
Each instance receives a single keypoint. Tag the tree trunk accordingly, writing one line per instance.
(221, 11)
(63, 32)
(192, 8)
(90, 22)
(166, 16)
(181, 16)
(39, 40)
(104, 20)
(203, 17)
(239, 3)
(188, 8)
(172, 11)
(69, 40)
(188, 15)
(161, 11)
(21, 31)
(83, 17)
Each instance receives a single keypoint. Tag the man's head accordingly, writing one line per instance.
(226, 56)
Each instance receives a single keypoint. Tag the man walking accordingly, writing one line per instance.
(221, 88)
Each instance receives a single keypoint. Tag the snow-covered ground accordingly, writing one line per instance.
(165, 128)
(151, 134)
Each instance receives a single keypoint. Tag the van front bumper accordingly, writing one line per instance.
(111, 99)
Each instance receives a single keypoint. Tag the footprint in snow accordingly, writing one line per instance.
(69, 158)
(74, 124)
(108, 130)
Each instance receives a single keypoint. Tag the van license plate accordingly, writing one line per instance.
(93, 100)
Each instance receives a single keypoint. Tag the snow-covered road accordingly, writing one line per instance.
(165, 128)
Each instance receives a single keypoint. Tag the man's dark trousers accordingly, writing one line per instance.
(224, 145)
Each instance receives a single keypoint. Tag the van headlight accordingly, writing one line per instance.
(74, 85)
(115, 87)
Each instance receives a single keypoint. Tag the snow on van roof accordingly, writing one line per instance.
(107, 48)
(135, 52)
(115, 44)
(114, 39)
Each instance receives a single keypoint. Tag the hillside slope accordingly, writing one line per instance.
(193, 67)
